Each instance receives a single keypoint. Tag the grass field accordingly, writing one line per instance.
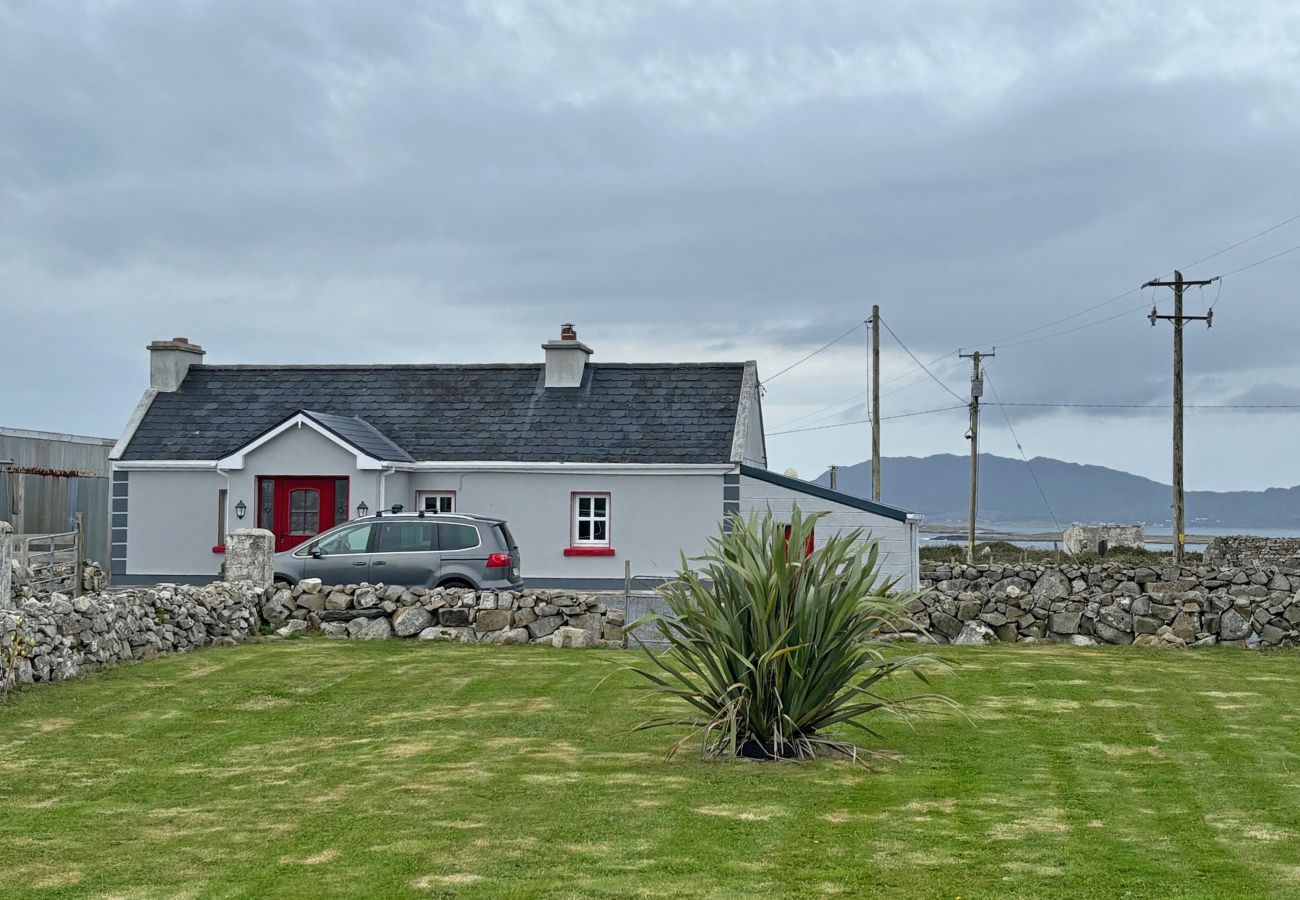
(312, 768)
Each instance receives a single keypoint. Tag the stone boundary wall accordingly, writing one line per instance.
(1253, 550)
(373, 612)
(1109, 603)
(60, 637)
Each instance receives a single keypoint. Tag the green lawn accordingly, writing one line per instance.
(310, 768)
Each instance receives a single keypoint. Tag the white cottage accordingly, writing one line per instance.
(592, 464)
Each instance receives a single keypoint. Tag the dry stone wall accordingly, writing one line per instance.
(60, 637)
(372, 612)
(1109, 603)
(1252, 550)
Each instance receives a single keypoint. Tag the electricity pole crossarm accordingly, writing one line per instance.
(976, 392)
(1179, 285)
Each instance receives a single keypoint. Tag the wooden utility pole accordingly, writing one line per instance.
(875, 402)
(1179, 284)
(976, 391)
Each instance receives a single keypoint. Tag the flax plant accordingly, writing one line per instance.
(775, 650)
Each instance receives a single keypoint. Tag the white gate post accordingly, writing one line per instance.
(6, 567)
(248, 556)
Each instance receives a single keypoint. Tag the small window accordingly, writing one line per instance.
(407, 537)
(591, 520)
(353, 540)
(436, 501)
(457, 537)
(304, 511)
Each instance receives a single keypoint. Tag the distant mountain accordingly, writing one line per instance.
(938, 487)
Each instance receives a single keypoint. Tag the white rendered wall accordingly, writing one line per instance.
(897, 540)
(653, 517)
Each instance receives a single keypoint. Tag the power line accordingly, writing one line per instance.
(826, 346)
(860, 397)
(923, 412)
(1016, 438)
(1159, 405)
(1131, 291)
(1244, 241)
(921, 364)
(1260, 262)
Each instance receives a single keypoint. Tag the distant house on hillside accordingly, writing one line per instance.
(592, 464)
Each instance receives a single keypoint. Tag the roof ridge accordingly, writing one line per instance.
(345, 367)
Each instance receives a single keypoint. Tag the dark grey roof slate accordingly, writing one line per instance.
(677, 413)
(362, 435)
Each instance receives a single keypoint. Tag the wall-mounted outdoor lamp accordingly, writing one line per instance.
(240, 509)
(362, 509)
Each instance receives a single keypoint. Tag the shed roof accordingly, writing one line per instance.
(622, 413)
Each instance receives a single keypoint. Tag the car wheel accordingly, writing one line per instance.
(456, 583)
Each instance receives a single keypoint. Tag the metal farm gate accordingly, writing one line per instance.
(47, 479)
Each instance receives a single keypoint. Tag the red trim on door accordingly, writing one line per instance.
(588, 551)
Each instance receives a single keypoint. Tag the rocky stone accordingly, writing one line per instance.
(314, 602)
(545, 625)
(1065, 622)
(411, 620)
(1233, 626)
(310, 585)
(1112, 635)
(375, 630)
(974, 632)
(1185, 625)
(513, 636)
(1271, 634)
(297, 626)
(1050, 585)
(945, 624)
(574, 638)
(453, 617)
(1146, 625)
(492, 619)
(334, 629)
(443, 634)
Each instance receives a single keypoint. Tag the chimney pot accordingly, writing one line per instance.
(568, 332)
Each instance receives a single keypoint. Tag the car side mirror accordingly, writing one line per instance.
(316, 553)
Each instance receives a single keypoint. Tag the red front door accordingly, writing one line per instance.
(297, 508)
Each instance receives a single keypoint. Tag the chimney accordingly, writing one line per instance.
(170, 360)
(565, 359)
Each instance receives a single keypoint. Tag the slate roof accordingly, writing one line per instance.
(362, 435)
(622, 413)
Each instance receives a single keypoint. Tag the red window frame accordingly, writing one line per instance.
(576, 549)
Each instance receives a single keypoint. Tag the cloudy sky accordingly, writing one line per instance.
(448, 182)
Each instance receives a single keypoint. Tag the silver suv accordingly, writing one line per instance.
(414, 549)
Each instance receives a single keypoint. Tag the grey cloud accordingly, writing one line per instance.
(454, 179)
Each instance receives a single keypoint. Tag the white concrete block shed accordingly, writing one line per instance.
(592, 464)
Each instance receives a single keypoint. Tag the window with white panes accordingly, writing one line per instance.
(436, 501)
(591, 520)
